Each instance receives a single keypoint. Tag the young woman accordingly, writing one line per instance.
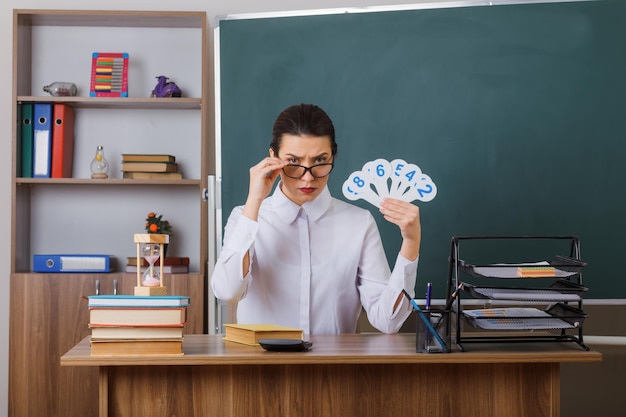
(301, 258)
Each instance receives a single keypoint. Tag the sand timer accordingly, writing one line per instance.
(150, 247)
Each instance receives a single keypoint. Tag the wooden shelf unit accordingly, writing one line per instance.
(79, 215)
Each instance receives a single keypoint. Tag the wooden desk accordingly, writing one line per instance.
(346, 375)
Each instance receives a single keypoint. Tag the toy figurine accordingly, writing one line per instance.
(166, 88)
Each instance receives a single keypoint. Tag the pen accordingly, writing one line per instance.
(452, 297)
(449, 304)
(426, 321)
(429, 288)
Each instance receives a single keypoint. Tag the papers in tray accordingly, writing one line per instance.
(519, 294)
(515, 319)
(511, 270)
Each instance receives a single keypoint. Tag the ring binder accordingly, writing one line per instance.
(71, 263)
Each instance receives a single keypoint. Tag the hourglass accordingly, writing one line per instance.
(150, 247)
(151, 253)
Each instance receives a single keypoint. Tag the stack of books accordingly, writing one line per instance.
(150, 166)
(137, 325)
(171, 264)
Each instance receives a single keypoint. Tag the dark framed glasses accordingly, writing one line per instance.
(317, 171)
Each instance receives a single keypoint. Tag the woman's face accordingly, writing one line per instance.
(307, 151)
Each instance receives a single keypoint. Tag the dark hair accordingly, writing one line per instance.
(303, 119)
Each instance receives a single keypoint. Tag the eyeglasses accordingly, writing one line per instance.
(317, 171)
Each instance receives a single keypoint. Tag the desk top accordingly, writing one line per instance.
(370, 348)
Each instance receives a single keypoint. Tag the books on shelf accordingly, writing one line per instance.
(171, 265)
(149, 167)
(147, 157)
(167, 269)
(250, 334)
(153, 175)
(168, 260)
(146, 166)
(137, 347)
(137, 316)
(111, 300)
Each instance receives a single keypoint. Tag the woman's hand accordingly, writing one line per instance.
(407, 217)
(262, 178)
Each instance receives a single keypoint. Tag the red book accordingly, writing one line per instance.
(62, 141)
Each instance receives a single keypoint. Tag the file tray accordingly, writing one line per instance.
(557, 317)
(558, 267)
(560, 291)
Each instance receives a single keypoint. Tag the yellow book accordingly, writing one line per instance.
(107, 333)
(147, 157)
(250, 334)
(149, 167)
(113, 347)
(134, 175)
(137, 316)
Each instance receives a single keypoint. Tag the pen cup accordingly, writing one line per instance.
(433, 331)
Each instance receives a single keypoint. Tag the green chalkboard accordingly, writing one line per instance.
(517, 112)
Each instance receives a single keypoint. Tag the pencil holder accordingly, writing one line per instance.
(433, 331)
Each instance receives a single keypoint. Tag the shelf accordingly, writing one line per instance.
(168, 103)
(111, 18)
(53, 45)
(111, 181)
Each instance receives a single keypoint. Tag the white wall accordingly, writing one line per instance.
(213, 9)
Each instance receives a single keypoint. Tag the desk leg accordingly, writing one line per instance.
(103, 392)
(556, 389)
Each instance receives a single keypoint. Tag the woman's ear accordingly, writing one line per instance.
(272, 154)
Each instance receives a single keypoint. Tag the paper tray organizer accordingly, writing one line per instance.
(555, 283)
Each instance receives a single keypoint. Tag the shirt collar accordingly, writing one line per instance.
(288, 210)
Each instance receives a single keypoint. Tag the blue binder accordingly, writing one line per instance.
(42, 139)
(71, 263)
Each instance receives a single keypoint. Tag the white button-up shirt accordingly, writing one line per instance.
(312, 267)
